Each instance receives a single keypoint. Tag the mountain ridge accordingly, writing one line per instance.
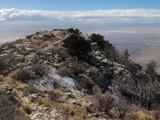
(49, 82)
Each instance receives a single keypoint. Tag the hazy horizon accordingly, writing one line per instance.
(132, 25)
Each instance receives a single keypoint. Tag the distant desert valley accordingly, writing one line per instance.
(143, 43)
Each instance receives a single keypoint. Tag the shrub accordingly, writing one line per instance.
(7, 46)
(84, 82)
(3, 64)
(99, 39)
(123, 108)
(56, 84)
(77, 45)
(76, 69)
(74, 31)
(63, 71)
(40, 70)
(53, 95)
(8, 110)
(21, 75)
(102, 102)
(32, 90)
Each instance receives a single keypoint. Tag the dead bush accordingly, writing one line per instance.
(56, 84)
(156, 115)
(40, 70)
(123, 108)
(63, 71)
(102, 102)
(53, 95)
(76, 69)
(84, 82)
(7, 46)
(3, 64)
(21, 75)
(8, 110)
(32, 90)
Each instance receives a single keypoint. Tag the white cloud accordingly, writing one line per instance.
(105, 16)
(15, 23)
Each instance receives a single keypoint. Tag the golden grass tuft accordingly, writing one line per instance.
(12, 50)
(43, 44)
(1, 77)
(145, 116)
(68, 109)
(84, 113)
(35, 42)
(59, 92)
(79, 102)
(27, 108)
(88, 108)
(16, 84)
(45, 102)
(45, 90)
(26, 117)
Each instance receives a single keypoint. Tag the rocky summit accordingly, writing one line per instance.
(62, 75)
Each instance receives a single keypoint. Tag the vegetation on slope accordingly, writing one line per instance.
(96, 67)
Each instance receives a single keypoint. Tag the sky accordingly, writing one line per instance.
(112, 18)
(80, 5)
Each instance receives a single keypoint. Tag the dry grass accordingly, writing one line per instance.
(27, 108)
(88, 108)
(22, 58)
(19, 41)
(43, 44)
(79, 102)
(59, 92)
(45, 102)
(26, 118)
(1, 77)
(16, 84)
(45, 90)
(145, 116)
(68, 109)
(84, 113)
(34, 42)
(26, 52)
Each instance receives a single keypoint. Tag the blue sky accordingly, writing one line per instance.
(126, 23)
(81, 5)
(19, 18)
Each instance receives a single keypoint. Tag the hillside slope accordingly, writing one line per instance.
(45, 81)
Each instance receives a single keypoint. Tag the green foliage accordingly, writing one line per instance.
(109, 51)
(77, 45)
(104, 45)
(126, 55)
(151, 69)
(74, 31)
(99, 39)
